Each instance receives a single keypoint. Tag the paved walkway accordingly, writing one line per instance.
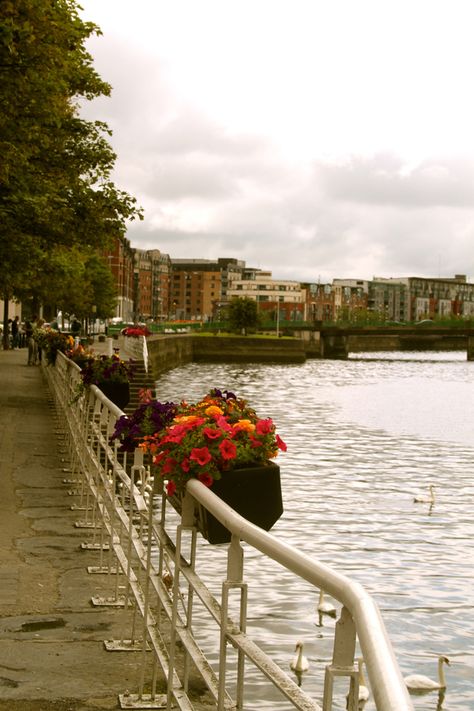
(51, 638)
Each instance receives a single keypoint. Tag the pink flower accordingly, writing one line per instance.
(264, 427)
(280, 444)
(201, 455)
(227, 449)
(145, 395)
(206, 479)
(223, 424)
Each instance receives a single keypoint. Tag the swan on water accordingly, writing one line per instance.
(325, 608)
(420, 499)
(364, 692)
(420, 682)
(300, 664)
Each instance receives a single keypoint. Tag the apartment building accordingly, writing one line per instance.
(152, 277)
(200, 287)
(275, 297)
(121, 260)
(428, 297)
(350, 296)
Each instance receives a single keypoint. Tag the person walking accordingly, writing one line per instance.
(30, 341)
(16, 333)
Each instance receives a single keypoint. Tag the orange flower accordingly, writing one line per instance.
(244, 425)
(213, 411)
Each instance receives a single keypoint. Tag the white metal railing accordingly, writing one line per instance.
(137, 347)
(141, 541)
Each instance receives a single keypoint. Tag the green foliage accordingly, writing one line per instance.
(243, 315)
(73, 280)
(55, 186)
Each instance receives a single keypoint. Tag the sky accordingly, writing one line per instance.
(316, 139)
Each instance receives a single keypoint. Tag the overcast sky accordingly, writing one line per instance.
(313, 138)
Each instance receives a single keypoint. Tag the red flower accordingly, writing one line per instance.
(206, 479)
(255, 442)
(264, 427)
(280, 444)
(168, 466)
(211, 433)
(185, 465)
(157, 458)
(201, 455)
(170, 488)
(227, 449)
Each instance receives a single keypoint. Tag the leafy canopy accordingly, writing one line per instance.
(243, 314)
(55, 185)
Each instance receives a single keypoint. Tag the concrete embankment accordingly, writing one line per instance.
(167, 352)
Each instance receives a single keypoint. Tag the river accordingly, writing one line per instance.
(364, 437)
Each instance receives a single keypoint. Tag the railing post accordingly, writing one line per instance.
(342, 662)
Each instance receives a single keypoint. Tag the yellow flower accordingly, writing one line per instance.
(213, 411)
(245, 425)
(186, 419)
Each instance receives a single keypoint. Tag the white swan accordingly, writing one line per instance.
(364, 692)
(426, 499)
(422, 683)
(300, 664)
(325, 608)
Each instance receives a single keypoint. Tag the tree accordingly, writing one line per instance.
(82, 280)
(55, 186)
(243, 314)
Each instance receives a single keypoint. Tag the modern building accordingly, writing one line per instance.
(200, 287)
(350, 296)
(282, 299)
(428, 297)
(319, 301)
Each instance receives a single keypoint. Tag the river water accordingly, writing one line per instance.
(364, 437)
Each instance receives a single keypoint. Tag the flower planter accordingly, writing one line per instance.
(118, 393)
(253, 492)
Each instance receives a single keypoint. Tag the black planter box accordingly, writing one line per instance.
(118, 393)
(253, 492)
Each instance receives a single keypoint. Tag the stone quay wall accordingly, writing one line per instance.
(167, 352)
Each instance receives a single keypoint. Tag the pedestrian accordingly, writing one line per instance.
(9, 333)
(16, 333)
(30, 341)
(39, 350)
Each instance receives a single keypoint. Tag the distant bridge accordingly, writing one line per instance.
(334, 340)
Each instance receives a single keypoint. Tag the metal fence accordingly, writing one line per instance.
(157, 579)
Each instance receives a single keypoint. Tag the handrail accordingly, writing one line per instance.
(155, 560)
(385, 678)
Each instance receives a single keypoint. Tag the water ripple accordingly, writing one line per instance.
(364, 437)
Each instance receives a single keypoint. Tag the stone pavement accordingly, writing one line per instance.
(51, 638)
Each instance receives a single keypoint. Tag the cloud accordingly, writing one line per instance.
(386, 180)
(211, 191)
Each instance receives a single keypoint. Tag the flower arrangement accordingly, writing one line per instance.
(150, 417)
(79, 355)
(208, 438)
(136, 331)
(51, 341)
(104, 368)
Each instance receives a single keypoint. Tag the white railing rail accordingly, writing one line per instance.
(137, 348)
(156, 572)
